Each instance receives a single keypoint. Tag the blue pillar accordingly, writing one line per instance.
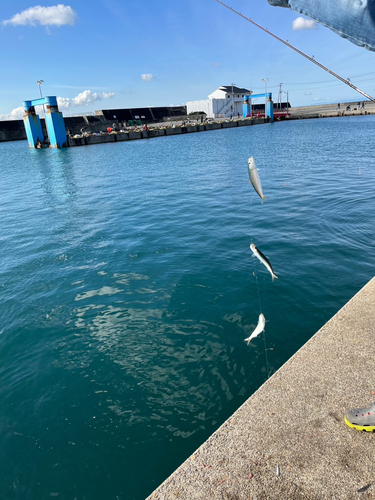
(55, 124)
(246, 108)
(269, 106)
(32, 124)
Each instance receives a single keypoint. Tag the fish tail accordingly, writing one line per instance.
(274, 276)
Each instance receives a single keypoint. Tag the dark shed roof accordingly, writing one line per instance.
(236, 90)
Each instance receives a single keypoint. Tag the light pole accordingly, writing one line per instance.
(39, 83)
(265, 80)
(287, 101)
(232, 106)
(279, 98)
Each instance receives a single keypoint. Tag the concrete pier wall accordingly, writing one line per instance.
(14, 129)
(289, 440)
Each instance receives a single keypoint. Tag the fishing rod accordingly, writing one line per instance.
(312, 59)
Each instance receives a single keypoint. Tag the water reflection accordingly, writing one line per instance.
(56, 176)
(171, 364)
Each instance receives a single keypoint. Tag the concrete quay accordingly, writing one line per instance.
(88, 139)
(330, 110)
(13, 130)
(288, 441)
(323, 111)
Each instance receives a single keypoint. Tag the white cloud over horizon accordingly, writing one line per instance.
(83, 99)
(303, 24)
(58, 15)
(147, 77)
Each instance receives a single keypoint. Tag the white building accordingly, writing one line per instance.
(226, 100)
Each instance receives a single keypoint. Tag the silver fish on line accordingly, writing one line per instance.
(254, 178)
(259, 328)
(263, 259)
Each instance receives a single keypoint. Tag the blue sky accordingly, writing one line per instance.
(102, 54)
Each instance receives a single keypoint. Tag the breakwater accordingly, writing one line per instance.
(167, 129)
(124, 135)
(85, 130)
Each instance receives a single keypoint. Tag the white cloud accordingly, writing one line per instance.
(82, 99)
(57, 15)
(147, 77)
(308, 93)
(217, 64)
(16, 114)
(303, 24)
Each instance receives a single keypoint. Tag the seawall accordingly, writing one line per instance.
(87, 127)
(135, 134)
(289, 439)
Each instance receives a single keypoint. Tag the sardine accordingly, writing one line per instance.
(259, 328)
(254, 178)
(263, 259)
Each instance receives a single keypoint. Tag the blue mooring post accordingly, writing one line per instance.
(32, 124)
(269, 107)
(247, 104)
(54, 123)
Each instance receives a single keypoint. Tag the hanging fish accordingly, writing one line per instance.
(259, 328)
(254, 178)
(263, 259)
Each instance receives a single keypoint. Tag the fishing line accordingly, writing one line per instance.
(259, 301)
(254, 259)
(311, 59)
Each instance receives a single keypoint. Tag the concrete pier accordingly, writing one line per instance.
(93, 125)
(289, 440)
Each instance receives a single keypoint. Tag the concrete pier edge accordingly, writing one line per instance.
(289, 439)
(12, 130)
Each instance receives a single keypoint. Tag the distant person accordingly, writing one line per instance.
(114, 127)
(338, 106)
(359, 105)
(231, 116)
(363, 105)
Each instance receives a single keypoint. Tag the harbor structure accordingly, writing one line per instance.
(53, 119)
(14, 130)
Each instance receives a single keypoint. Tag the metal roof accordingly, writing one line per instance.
(236, 90)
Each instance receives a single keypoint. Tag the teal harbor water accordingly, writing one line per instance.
(127, 289)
